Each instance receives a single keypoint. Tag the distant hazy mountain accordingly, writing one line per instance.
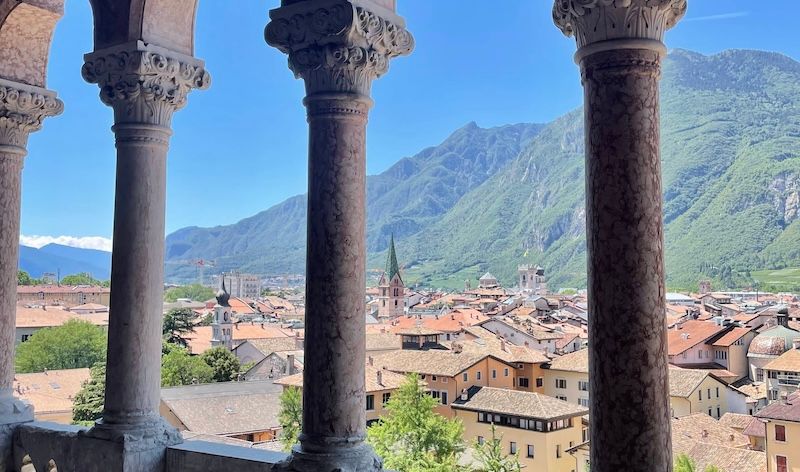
(484, 199)
(67, 260)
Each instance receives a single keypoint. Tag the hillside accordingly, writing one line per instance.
(405, 199)
(731, 168)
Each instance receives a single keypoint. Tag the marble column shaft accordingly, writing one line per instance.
(137, 273)
(620, 46)
(11, 161)
(338, 47)
(22, 110)
(630, 421)
(333, 408)
(144, 85)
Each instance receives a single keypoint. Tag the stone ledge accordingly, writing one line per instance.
(202, 456)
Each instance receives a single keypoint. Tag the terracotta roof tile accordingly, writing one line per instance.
(690, 334)
(50, 392)
(389, 380)
(729, 338)
(518, 403)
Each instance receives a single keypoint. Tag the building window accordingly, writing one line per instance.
(708, 391)
(583, 385)
(444, 398)
(718, 413)
(481, 417)
(530, 451)
(512, 447)
(558, 451)
(773, 374)
(444, 380)
(466, 376)
(717, 392)
(780, 433)
(539, 381)
(561, 383)
(505, 372)
(25, 337)
(759, 375)
(386, 397)
(494, 373)
(584, 402)
(561, 397)
(782, 463)
(478, 375)
(433, 378)
(370, 402)
(523, 382)
(699, 394)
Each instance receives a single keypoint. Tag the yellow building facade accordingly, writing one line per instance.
(538, 429)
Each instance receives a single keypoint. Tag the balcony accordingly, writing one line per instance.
(145, 68)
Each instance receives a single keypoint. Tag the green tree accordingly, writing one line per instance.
(684, 463)
(23, 278)
(177, 323)
(178, 367)
(412, 436)
(84, 278)
(225, 365)
(196, 292)
(73, 345)
(490, 456)
(89, 400)
(290, 417)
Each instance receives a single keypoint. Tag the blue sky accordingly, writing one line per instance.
(240, 146)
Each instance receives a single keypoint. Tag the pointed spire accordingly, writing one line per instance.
(222, 295)
(392, 267)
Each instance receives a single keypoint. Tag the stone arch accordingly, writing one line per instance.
(165, 23)
(26, 31)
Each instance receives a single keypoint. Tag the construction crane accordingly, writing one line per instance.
(200, 264)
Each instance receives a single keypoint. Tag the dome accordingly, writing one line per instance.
(223, 296)
(773, 342)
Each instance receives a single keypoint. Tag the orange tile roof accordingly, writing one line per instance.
(452, 322)
(51, 317)
(50, 392)
(200, 340)
(697, 331)
(731, 337)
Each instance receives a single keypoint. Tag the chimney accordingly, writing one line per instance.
(731, 437)
(290, 364)
(371, 361)
(464, 395)
(262, 326)
(704, 433)
(380, 378)
(502, 345)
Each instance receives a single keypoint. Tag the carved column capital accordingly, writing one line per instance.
(144, 84)
(338, 46)
(593, 21)
(23, 108)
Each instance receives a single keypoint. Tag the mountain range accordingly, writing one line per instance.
(64, 260)
(490, 199)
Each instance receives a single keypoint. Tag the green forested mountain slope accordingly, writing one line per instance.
(404, 199)
(486, 198)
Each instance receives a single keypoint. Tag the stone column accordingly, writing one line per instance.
(22, 109)
(619, 51)
(144, 85)
(338, 47)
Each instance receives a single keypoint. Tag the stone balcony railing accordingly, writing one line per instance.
(70, 449)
